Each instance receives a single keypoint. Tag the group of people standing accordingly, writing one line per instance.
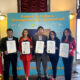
(26, 58)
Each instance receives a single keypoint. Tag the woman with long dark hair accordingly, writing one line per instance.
(54, 57)
(26, 58)
(67, 38)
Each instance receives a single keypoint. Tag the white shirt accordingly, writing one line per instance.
(10, 38)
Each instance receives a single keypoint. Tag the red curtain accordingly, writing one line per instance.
(33, 5)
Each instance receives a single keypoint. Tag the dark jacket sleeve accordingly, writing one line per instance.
(33, 39)
(57, 44)
(46, 38)
(0, 45)
(3, 44)
(16, 39)
(34, 44)
(17, 43)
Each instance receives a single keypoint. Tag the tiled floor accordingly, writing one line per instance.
(75, 76)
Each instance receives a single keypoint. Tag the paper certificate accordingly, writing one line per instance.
(11, 46)
(39, 47)
(64, 50)
(51, 47)
(26, 47)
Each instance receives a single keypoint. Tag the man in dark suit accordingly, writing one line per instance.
(39, 36)
(9, 57)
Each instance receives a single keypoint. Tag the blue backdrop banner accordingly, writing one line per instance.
(56, 21)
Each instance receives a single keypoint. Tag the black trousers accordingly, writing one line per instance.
(68, 62)
(13, 59)
(54, 60)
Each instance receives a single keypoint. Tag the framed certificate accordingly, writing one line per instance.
(64, 50)
(51, 47)
(26, 47)
(11, 46)
(39, 47)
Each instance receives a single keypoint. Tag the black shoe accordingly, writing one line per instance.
(46, 78)
(75, 72)
(39, 78)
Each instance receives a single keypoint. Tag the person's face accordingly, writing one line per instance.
(52, 35)
(40, 31)
(10, 33)
(66, 33)
(25, 33)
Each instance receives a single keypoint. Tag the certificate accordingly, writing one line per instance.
(11, 46)
(39, 47)
(64, 50)
(26, 47)
(51, 47)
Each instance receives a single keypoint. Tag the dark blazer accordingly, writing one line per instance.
(36, 38)
(0, 45)
(3, 43)
(57, 42)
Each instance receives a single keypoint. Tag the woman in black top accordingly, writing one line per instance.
(68, 62)
(54, 57)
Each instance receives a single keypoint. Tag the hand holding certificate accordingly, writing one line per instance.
(11, 46)
(26, 47)
(39, 47)
(51, 47)
(64, 50)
